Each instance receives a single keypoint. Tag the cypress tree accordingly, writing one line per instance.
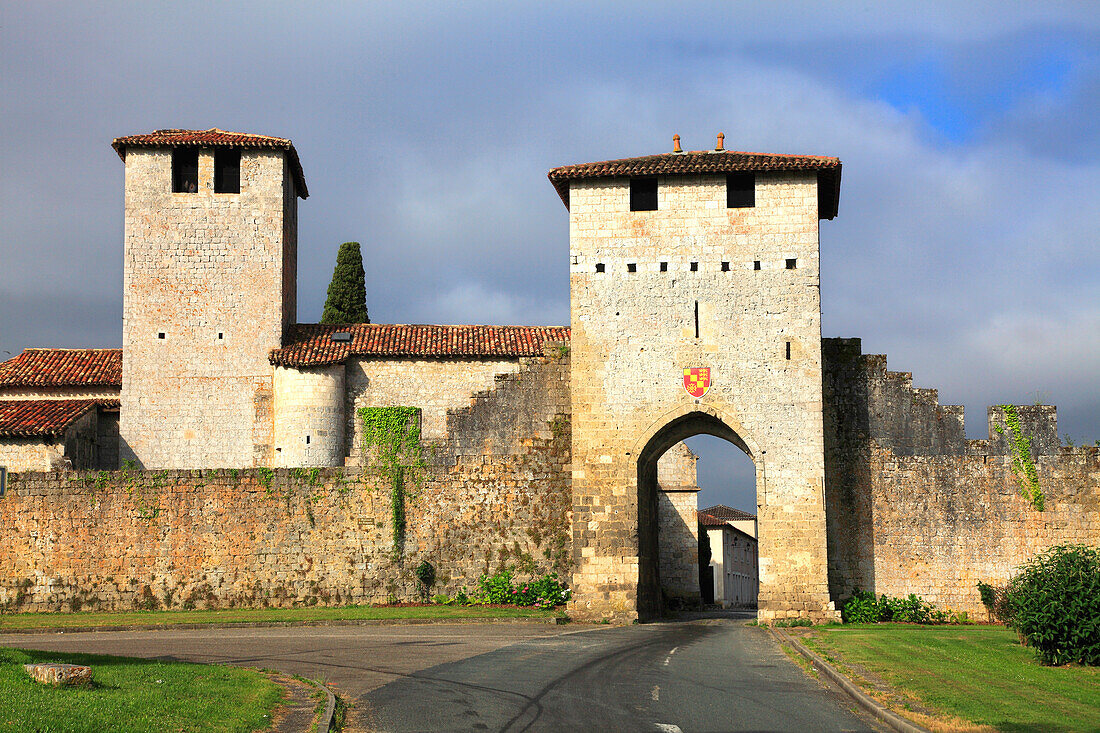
(347, 293)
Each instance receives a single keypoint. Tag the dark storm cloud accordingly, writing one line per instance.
(965, 246)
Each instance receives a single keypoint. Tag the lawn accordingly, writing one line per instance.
(134, 695)
(979, 674)
(17, 621)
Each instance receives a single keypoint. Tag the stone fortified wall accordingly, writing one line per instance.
(495, 492)
(915, 507)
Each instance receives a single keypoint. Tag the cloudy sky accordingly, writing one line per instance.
(966, 245)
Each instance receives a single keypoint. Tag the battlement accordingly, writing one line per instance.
(866, 401)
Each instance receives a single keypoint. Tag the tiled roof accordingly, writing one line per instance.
(28, 418)
(706, 520)
(63, 368)
(728, 514)
(311, 344)
(214, 138)
(708, 161)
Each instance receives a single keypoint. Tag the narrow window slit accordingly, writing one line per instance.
(756, 264)
(664, 267)
(788, 351)
(697, 319)
(695, 267)
(725, 267)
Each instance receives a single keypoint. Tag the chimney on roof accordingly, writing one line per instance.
(721, 141)
(676, 144)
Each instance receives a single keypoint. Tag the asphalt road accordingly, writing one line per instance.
(704, 675)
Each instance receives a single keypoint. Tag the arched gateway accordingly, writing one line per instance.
(695, 308)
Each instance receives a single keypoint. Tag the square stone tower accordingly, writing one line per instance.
(210, 268)
(695, 308)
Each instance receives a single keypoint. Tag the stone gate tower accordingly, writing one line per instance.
(696, 261)
(209, 289)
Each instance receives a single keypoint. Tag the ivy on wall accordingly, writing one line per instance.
(392, 434)
(1023, 465)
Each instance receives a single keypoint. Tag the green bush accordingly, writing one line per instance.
(547, 591)
(1054, 604)
(861, 608)
(495, 588)
(864, 608)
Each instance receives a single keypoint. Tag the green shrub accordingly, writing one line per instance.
(425, 576)
(861, 608)
(495, 588)
(864, 608)
(1054, 604)
(547, 591)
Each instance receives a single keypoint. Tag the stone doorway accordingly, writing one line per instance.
(652, 594)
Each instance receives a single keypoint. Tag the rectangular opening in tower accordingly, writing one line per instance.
(185, 170)
(227, 170)
(643, 194)
(740, 190)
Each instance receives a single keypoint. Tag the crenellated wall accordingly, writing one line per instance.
(915, 507)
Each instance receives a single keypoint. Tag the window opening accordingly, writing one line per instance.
(664, 267)
(160, 335)
(756, 264)
(227, 170)
(643, 194)
(631, 267)
(599, 267)
(185, 170)
(307, 440)
(725, 267)
(220, 335)
(740, 190)
(788, 351)
(792, 263)
(697, 319)
(695, 267)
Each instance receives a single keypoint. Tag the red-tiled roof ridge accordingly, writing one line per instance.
(709, 520)
(214, 137)
(30, 418)
(828, 169)
(310, 344)
(39, 367)
(727, 513)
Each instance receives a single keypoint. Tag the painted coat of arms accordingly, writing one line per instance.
(697, 381)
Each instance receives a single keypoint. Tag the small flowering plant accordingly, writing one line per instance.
(545, 592)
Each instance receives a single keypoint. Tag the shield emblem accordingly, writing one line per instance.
(697, 381)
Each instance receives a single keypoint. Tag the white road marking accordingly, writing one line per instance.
(668, 728)
(669, 657)
(656, 694)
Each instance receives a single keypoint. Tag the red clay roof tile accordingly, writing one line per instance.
(311, 344)
(63, 368)
(706, 520)
(29, 418)
(214, 138)
(708, 161)
(727, 513)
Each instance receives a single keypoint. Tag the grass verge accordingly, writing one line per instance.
(963, 678)
(84, 619)
(134, 695)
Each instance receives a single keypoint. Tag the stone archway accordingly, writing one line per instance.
(684, 424)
